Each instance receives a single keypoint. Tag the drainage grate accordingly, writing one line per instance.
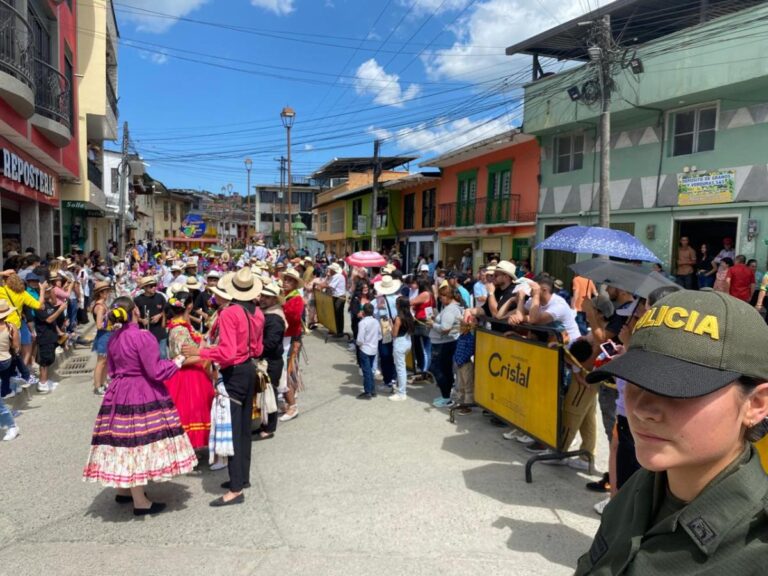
(76, 366)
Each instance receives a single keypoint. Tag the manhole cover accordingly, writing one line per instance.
(75, 366)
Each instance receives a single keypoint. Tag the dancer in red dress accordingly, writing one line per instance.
(191, 387)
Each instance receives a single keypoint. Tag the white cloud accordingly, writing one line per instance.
(145, 14)
(279, 7)
(446, 135)
(308, 147)
(158, 58)
(371, 78)
(487, 29)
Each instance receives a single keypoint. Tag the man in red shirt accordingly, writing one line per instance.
(741, 279)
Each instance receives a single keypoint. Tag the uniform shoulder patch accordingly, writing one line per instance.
(702, 531)
(598, 549)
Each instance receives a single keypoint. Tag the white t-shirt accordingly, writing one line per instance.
(337, 285)
(563, 316)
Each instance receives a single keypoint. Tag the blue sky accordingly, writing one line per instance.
(202, 82)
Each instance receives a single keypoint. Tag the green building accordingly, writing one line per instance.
(689, 115)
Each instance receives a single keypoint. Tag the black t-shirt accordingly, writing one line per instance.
(46, 332)
(152, 306)
(501, 297)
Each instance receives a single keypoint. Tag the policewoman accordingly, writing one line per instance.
(696, 394)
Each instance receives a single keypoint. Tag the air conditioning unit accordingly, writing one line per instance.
(362, 224)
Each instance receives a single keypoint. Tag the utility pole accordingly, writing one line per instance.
(605, 40)
(282, 199)
(257, 209)
(124, 171)
(375, 198)
(290, 216)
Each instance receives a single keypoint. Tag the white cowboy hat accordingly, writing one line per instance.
(272, 290)
(176, 268)
(213, 274)
(335, 268)
(6, 309)
(294, 275)
(193, 283)
(506, 267)
(175, 288)
(242, 285)
(387, 285)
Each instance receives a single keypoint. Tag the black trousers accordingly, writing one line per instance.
(275, 371)
(626, 461)
(240, 382)
(338, 309)
(442, 366)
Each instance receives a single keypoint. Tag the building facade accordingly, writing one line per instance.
(39, 140)
(688, 138)
(487, 199)
(84, 219)
(272, 208)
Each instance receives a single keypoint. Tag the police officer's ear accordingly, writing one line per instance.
(756, 411)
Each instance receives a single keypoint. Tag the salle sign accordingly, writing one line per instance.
(19, 170)
(519, 380)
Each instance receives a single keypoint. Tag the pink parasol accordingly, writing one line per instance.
(366, 259)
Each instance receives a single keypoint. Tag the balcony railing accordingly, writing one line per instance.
(95, 176)
(112, 97)
(52, 93)
(16, 44)
(481, 211)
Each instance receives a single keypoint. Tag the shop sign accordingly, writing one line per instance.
(75, 205)
(715, 187)
(19, 170)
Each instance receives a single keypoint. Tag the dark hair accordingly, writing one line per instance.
(747, 385)
(424, 285)
(661, 292)
(741, 259)
(546, 280)
(122, 310)
(177, 304)
(728, 261)
(581, 349)
(750, 261)
(368, 309)
(407, 322)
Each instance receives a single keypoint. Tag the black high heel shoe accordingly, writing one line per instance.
(155, 508)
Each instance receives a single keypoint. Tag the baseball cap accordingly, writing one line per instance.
(691, 344)
(603, 304)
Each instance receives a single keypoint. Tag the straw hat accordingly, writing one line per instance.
(388, 269)
(191, 264)
(193, 283)
(213, 274)
(242, 285)
(176, 268)
(387, 285)
(272, 290)
(175, 288)
(280, 265)
(506, 267)
(308, 259)
(225, 257)
(294, 275)
(6, 309)
(335, 268)
(147, 281)
(101, 286)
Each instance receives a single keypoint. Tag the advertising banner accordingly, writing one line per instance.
(325, 312)
(519, 380)
(193, 226)
(716, 187)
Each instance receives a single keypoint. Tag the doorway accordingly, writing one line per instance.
(709, 231)
(556, 262)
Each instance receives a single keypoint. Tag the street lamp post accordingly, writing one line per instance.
(248, 165)
(288, 116)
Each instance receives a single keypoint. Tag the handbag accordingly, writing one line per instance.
(386, 325)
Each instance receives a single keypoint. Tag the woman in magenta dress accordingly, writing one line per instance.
(191, 387)
(138, 435)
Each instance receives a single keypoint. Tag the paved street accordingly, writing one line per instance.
(349, 487)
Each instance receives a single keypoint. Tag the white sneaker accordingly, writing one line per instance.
(42, 388)
(11, 434)
(398, 397)
(578, 464)
(220, 465)
(510, 435)
(52, 385)
(524, 439)
(600, 506)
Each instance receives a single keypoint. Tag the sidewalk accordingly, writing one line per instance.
(349, 487)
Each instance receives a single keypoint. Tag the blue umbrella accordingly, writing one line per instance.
(597, 240)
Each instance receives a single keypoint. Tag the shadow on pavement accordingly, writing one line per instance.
(105, 507)
(544, 538)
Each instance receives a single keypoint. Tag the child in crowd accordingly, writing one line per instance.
(49, 325)
(465, 368)
(368, 336)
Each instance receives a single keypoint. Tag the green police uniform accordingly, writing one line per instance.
(723, 531)
(688, 345)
